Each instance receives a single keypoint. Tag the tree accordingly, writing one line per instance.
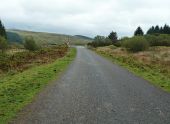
(151, 30)
(100, 41)
(157, 29)
(2, 30)
(30, 44)
(166, 29)
(139, 32)
(113, 37)
(99, 38)
(161, 30)
(3, 44)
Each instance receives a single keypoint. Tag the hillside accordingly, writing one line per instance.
(14, 37)
(44, 38)
(83, 37)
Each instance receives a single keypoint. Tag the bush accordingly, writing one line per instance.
(100, 41)
(23, 60)
(30, 44)
(158, 39)
(136, 44)
(117, 44)
(3, 44)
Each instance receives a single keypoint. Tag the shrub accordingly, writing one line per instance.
(4, 61)
(100, 41)
(117, 44)
(30, 44)
(23, 60)
(3, 44)
(158, 39)
(136, 44)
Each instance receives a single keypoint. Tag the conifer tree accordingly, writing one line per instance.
(139, 32)
(166, 29)
(2, 30)
(151, 30)
(159, 30)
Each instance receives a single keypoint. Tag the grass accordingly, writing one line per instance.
(156, 71)
(18, 90)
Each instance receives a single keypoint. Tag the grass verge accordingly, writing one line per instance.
(151, 73)
(18, 90)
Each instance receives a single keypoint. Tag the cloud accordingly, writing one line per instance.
(86, 17)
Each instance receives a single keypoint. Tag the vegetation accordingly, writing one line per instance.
(153, 65)
(113, 37)
(2, 30)
(44, 39)
(104, 41)
(19, 81)
(145, 55)
(100, 41)
(136, 44)
(83, 37)
(158, 40)
(18, 90)
(139, 42)
(26, 59)
(3, 37)
(14, 38)
(159, 30)
(3, 44)
(30, 44)
(139, 32)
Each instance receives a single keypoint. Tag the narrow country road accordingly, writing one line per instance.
(95, 91)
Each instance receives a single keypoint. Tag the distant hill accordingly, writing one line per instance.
(43, 38)
(14, 37)
(83, 37)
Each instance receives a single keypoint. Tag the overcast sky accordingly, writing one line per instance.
(85, 17)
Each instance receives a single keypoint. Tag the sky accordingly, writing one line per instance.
(84, 17)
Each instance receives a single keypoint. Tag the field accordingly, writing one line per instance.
(153, 64)
(18, 89)
(43, 38)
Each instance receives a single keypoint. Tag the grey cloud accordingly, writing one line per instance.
(86, 17)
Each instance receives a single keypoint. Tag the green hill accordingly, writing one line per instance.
(14, 37)
(83, 37)
(44, 38)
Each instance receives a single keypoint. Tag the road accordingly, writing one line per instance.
(95, 91)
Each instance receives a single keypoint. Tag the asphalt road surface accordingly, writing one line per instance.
(95, 91)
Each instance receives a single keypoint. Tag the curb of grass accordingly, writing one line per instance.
(19, 90)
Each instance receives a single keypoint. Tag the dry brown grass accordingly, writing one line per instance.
(157, 56)
(22, 60)
(15, 50)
